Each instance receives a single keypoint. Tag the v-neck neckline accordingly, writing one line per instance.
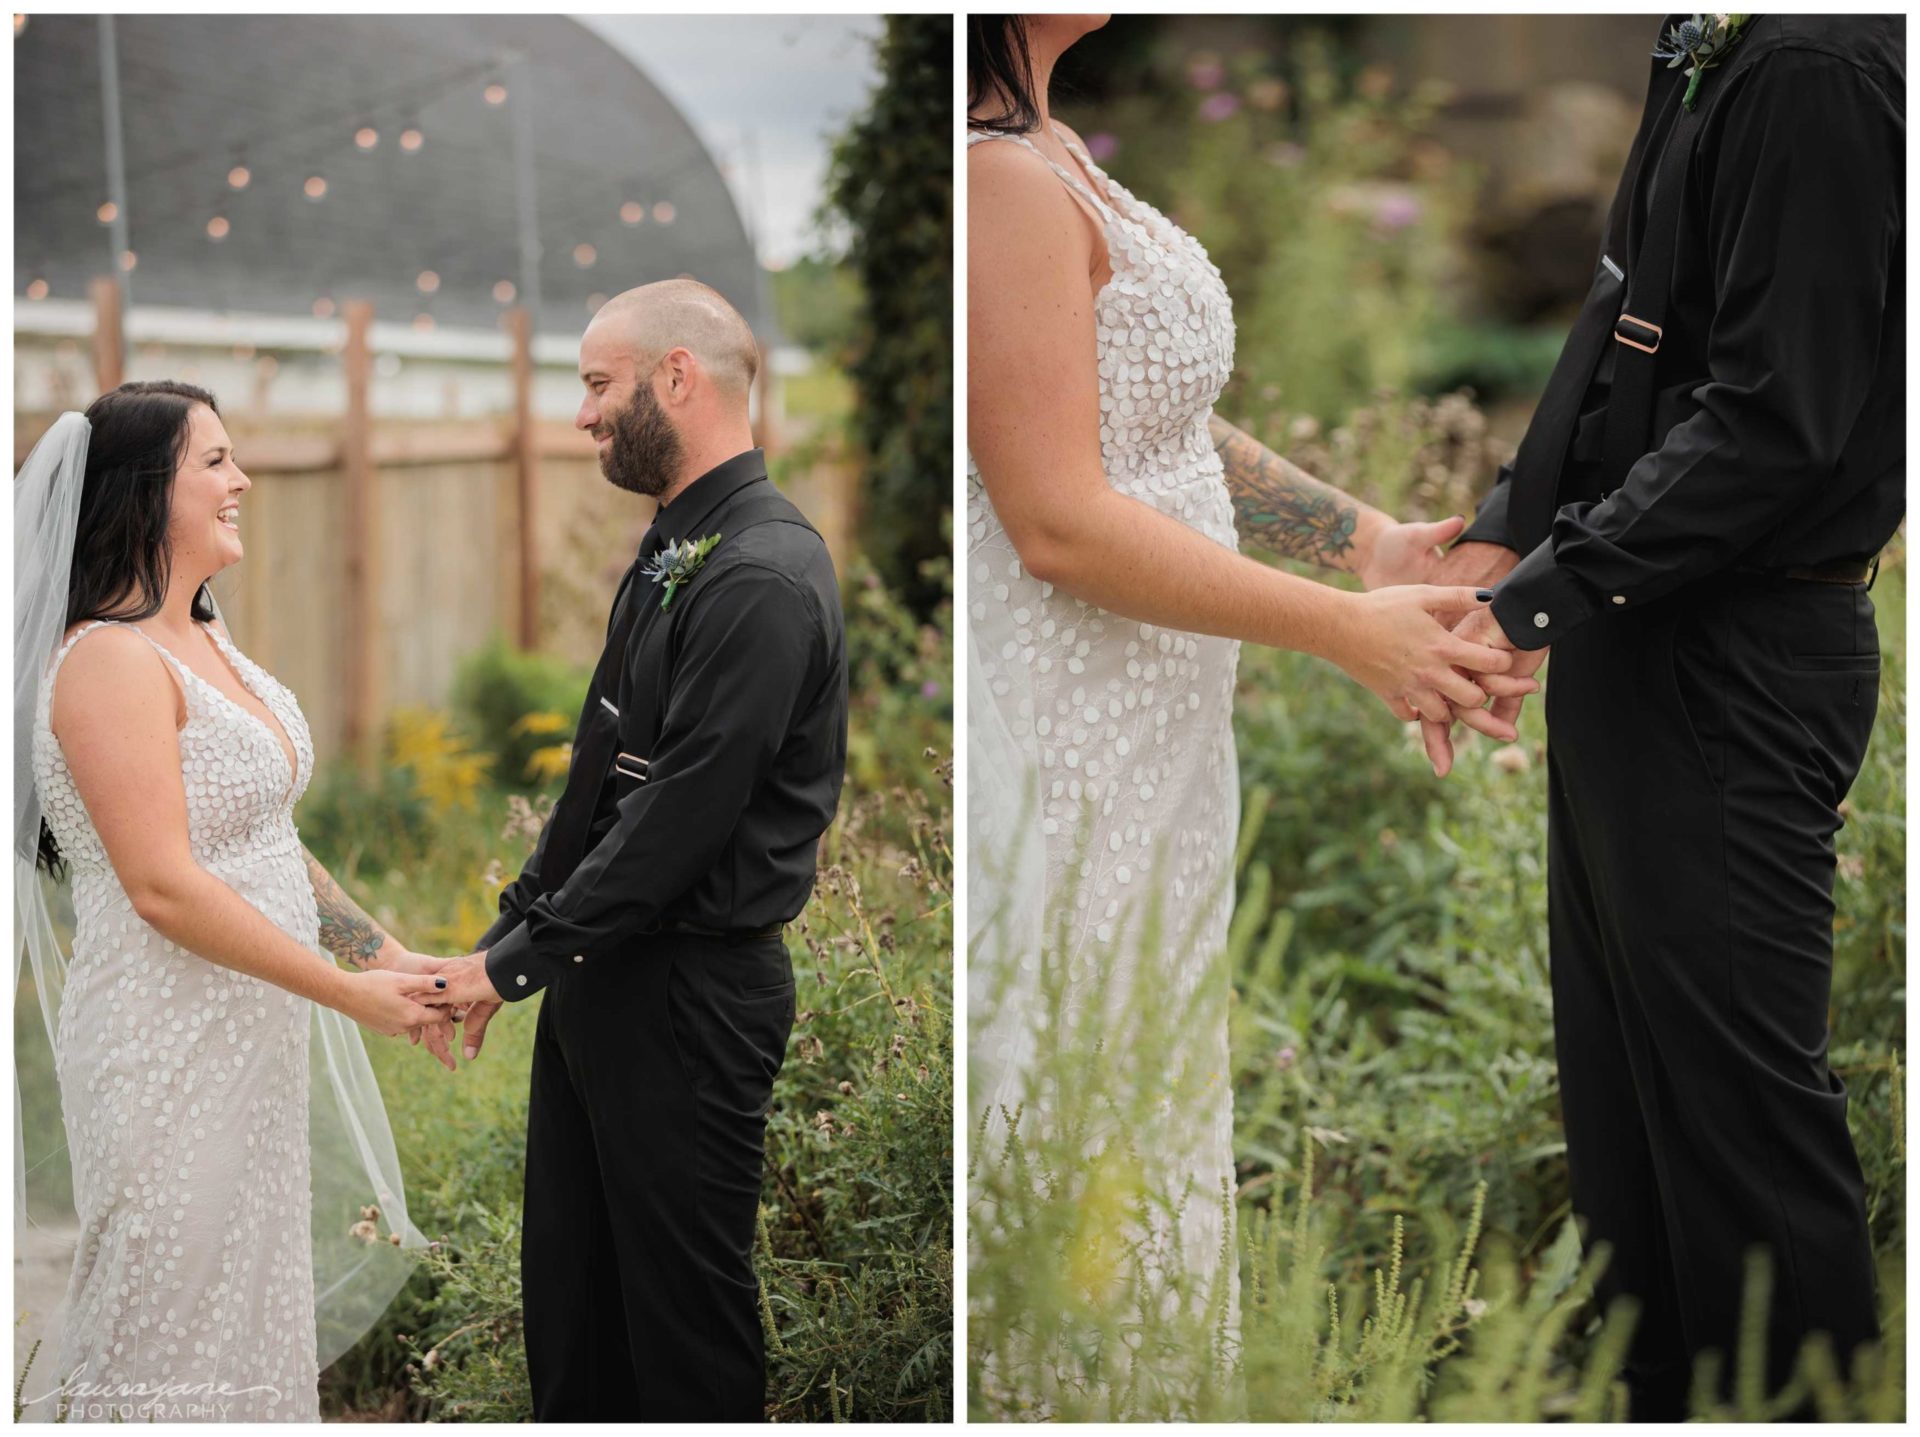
(275, 730)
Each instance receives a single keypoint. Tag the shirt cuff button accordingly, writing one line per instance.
(521, 979)
(1619, 598)
(1540, 620)
(579, 957)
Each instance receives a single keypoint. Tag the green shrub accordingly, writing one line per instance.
(498, 687)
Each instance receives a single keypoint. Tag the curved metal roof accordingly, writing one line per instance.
(285, 96)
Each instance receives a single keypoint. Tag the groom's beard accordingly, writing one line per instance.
(645, 452)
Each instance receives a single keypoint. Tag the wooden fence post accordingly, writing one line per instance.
(361, 538)
(526, 474)
(766, 396)
(109, 335)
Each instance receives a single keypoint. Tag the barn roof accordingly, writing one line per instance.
(617, 168)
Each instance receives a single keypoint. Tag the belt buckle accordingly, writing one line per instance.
(631, 766)
(1647, 330)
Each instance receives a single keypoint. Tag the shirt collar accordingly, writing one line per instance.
(678, 520)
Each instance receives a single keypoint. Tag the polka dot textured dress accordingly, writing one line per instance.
(1128, 725)
(184, 1087)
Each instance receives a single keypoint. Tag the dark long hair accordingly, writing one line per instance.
(999, 67)
(121, 562)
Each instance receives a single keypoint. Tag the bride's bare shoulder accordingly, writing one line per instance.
(112, 666)
(1009, 182)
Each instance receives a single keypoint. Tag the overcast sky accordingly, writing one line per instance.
(766, 94)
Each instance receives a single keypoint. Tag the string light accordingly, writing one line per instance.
(428, 281)
(503, 292)
(496, 93)
(595, 302)
(411, 140)
(632, 212)
(664, 212)
(584, 255)
(108, 213)
(37, 289)
(423, 322)
(218, 228)
(239, 177)
(323, 308)
(316, 187)
(128, 259)
(366, 137)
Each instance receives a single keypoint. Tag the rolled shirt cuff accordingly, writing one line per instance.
(1538, 601)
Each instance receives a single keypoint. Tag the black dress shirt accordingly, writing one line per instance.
(744, 775)
(1780, 381)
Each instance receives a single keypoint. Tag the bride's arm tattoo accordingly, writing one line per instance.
(1281, 507)
(345, 929)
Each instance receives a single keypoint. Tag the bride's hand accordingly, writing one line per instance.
(405, 960)
(1407, 553)
(1391, 641)
(388, 1001)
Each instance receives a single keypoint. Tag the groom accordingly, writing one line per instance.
(1716, 461)
(706, 766)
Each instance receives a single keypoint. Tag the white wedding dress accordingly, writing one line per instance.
(1117, 736)
(185, 1090)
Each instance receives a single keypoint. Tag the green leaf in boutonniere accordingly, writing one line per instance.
(677, 563)
(1701, 43)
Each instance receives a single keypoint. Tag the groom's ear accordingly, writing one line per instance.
(679, 367)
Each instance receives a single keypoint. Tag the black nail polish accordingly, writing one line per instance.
(439, 982)
(1485, 596)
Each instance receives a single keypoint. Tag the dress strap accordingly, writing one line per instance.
(1067, 176)
(60, 656)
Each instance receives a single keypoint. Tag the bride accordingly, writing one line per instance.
(216, 1185)
(1107, 604)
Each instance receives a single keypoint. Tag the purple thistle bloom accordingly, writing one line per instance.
(1206, 74)
(1397, 211)
(1219, 106)
(929, 690)
(1102, 146)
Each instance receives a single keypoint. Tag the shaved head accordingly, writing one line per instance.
(685, 314)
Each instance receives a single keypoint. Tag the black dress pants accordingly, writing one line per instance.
(1699, 750)
(652, 1076)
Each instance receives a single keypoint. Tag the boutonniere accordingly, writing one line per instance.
(677, 563)
(1704, 40)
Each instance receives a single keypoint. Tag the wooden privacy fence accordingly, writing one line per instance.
(380, 553)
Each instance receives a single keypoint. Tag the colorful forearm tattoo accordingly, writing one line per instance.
(1281, 507)
(345, 929)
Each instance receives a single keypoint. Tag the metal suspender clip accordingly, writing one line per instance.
(628, 766)
(1638, 334)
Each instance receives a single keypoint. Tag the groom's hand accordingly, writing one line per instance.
(478, 1016)
(439, 1040)
(1509, 691)
(467, 984)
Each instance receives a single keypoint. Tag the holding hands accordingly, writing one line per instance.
(424, 997)
(1482, 564)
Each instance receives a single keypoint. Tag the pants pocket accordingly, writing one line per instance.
(1695, 665)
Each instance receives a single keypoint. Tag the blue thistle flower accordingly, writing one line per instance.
(1690, 35)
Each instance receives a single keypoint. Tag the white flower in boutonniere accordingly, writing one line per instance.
(677, 563)
(1704, 41)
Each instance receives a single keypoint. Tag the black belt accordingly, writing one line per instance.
(1846, 571)
(726, 935)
